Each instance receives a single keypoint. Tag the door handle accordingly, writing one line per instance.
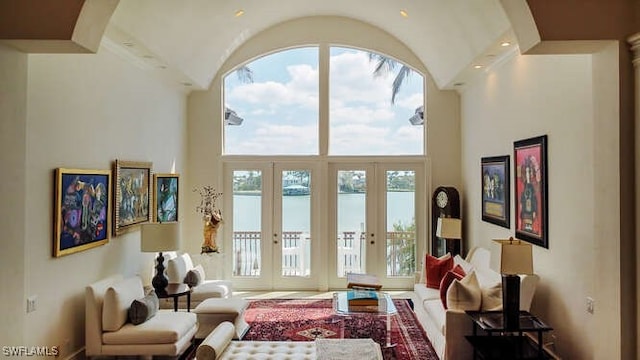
(372, 241)
(275, 236)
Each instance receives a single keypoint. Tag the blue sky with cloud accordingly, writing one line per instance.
(280, 108)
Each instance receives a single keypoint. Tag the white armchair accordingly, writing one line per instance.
(177, 269)
(109, 332)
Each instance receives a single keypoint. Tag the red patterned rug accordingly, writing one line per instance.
(308, 319)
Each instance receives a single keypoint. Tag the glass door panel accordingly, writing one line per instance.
(247, 230)
(351, 218)
(401, 223)
(296, 223)
(247, 225)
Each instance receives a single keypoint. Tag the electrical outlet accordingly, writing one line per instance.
(590, 304)
(31, 303)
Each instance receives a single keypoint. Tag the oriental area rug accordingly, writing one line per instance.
(310, 319)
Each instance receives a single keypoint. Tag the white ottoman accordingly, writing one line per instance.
(212, 312)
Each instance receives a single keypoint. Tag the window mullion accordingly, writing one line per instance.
(323, 99)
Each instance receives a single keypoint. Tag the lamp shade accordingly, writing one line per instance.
(515, 257)
(158, 237)
(449, 228)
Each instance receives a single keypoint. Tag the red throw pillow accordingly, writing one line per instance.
(456, 273)
(436, 268)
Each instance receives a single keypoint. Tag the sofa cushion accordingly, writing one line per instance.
(436, 269)
(178, 267)
(117, 300)
(487, 277)
(437, 314)
(466, 266)
(165, 328)
(211, 289)
(425, 293)
(455, 273)
(464, 294)
(194, 276)
(144, 309)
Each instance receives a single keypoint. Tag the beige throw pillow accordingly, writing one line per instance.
(464, 294)
(492, 297)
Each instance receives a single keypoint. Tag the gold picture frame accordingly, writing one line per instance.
(82, 213)
(132, 195)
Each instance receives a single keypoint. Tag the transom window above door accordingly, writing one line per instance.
(275, 105)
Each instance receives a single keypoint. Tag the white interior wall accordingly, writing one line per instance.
(205, 107)
(13, 111)
(83, 112)
(566, 98)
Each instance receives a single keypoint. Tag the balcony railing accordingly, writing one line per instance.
(296, 253)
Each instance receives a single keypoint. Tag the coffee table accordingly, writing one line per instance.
(385, 307)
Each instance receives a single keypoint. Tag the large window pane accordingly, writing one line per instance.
(276, 113)
(363, 120)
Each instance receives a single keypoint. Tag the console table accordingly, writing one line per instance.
(500, 343)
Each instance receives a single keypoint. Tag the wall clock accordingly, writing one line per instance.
(445, 203)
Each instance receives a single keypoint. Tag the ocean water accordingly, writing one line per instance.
(296, 211)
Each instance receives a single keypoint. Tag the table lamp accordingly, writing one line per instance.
(450, 229)
(159, 237)
(515, 259)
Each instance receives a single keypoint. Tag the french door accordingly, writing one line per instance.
(375, 222)
(295, 225)
(271, 232)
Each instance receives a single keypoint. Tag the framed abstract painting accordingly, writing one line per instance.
(165, 197)
(132, 195)
(82, 210)
(531, 197)
(496, 197)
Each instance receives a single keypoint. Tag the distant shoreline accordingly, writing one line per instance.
(259, 192)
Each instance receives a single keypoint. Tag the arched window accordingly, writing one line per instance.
(273, 105)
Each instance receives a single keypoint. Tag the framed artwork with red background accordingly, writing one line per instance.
(531, 200)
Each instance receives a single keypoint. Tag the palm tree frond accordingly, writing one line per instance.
(404, 72)
(245, 74)
(384, 64)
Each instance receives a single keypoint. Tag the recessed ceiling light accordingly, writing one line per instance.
(505, 44)
(404, 13)
(239, 13)
(477, 66)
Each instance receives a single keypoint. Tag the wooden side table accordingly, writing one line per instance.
(175, 291)
(500, 343)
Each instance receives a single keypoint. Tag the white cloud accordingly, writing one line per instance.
(272, 139)
(281, 114)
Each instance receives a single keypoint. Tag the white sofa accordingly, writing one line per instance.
(220, 346)
(178, 265)
(447, 328)
(109, 332)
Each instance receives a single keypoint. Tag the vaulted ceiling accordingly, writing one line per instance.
(189, 40)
